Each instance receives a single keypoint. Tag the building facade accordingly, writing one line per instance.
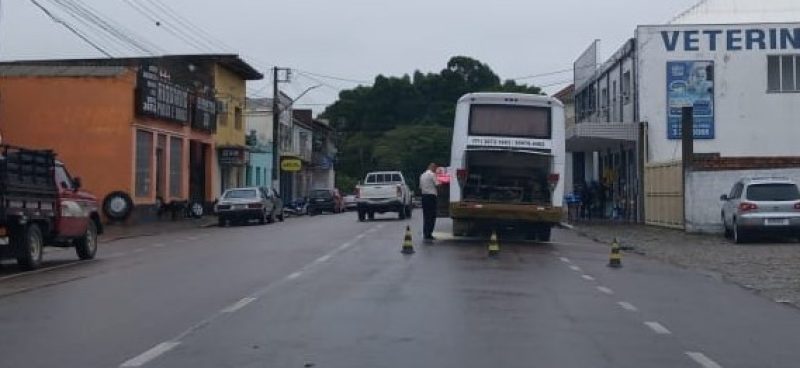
(139, 131)
(258, 121)
(742, 82)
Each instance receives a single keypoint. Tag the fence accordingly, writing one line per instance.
(663, 194)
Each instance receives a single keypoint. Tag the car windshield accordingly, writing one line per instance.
(240, 194)
(320, 194)
(773, 192)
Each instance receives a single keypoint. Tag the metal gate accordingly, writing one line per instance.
(663, 194)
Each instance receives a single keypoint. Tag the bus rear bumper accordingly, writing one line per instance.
(505, 212)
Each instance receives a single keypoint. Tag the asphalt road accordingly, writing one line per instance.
(328, 291)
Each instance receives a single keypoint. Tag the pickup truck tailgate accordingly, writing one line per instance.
(378, 191)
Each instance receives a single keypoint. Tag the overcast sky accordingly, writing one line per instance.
(352, 39)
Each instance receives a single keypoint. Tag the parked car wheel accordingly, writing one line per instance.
(117, 206)
(263, 219)
(739, 235)
(31, 248)
(726, 232)
(221, 221)
(86, 247)
(271, 217)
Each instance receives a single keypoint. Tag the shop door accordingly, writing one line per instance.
(161, 167)
(197, 171)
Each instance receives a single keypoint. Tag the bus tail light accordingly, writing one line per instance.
(747, 206)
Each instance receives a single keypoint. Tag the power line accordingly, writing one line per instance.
(555, 72)
(81, 11)
(71, 28)
(334, 77)
(153, 16)
(209, 38)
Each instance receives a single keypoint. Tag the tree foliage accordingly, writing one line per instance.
(403, 123)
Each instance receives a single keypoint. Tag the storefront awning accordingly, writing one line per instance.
(590, 137)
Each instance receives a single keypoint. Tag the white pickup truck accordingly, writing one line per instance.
(383, 191)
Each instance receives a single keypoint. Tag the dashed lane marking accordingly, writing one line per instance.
(138, 250)
(159, 245)
(587, 277)
(657, 328)
(575, 268)
(294, 275)
(628, 306)
(703, 360)
(323, 259)
(238, 305)
(564, 259)
(151, 354)
(605, 290)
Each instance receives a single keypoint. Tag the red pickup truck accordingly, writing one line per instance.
(42, 205)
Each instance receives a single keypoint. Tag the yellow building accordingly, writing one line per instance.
(232, 154)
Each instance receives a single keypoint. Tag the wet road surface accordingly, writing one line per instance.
(328, 291)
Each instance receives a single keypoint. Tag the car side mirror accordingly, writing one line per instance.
(76, 182)
(723, 197)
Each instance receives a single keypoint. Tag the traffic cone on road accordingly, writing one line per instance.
(494, 246)
(615, 259)
(408, 244)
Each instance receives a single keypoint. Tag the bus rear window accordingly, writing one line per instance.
(510, 121)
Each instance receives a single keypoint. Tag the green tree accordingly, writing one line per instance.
(405, 122)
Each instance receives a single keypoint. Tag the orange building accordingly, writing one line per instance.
(139, 132)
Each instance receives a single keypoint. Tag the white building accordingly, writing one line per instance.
(743, 81)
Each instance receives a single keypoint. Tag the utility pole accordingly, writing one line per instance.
(276, 115)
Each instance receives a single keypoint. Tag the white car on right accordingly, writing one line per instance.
(761, 205)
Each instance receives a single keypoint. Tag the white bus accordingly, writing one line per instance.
(508, 161)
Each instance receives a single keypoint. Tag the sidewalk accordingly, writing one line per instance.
(770, 267)
(117, 231)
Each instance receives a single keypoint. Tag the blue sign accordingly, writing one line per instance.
(690, 83)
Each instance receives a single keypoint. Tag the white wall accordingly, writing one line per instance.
(748, 120)
(703, 189)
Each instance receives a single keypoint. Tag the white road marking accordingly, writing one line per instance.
(587, 277)
(192, 238)
(345, 246)
(605, 290)
(628, 306)
(238, 305)
(575, 268)
(323, 259)
(138, 250)
(360, 236)
(151, 354)
(159, 245)
(657, 328)
(703, 360)
(42, 270)
(564, 259)
(294, 275)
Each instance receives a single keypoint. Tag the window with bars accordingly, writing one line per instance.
(783, 73)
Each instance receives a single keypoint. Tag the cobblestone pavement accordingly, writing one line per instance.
(770, 267)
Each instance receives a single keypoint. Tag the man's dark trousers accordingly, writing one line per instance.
(428, 215)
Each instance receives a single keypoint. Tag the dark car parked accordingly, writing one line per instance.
(325, 200)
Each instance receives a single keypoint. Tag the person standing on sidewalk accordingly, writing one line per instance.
(427, 186)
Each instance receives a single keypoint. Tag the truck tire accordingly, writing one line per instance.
(30, 247)
(460, 228)
(86, 246)
(118, 206)
(401, 213)
(362, 215)
(371, 215)
(409, 210)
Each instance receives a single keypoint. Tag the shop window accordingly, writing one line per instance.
(175, 166)
(144, 155)
(258, 176)
(237, 118)
(783, 73)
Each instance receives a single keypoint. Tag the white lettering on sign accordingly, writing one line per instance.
(510, 142)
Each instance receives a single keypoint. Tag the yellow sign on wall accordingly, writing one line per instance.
(291, 164)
